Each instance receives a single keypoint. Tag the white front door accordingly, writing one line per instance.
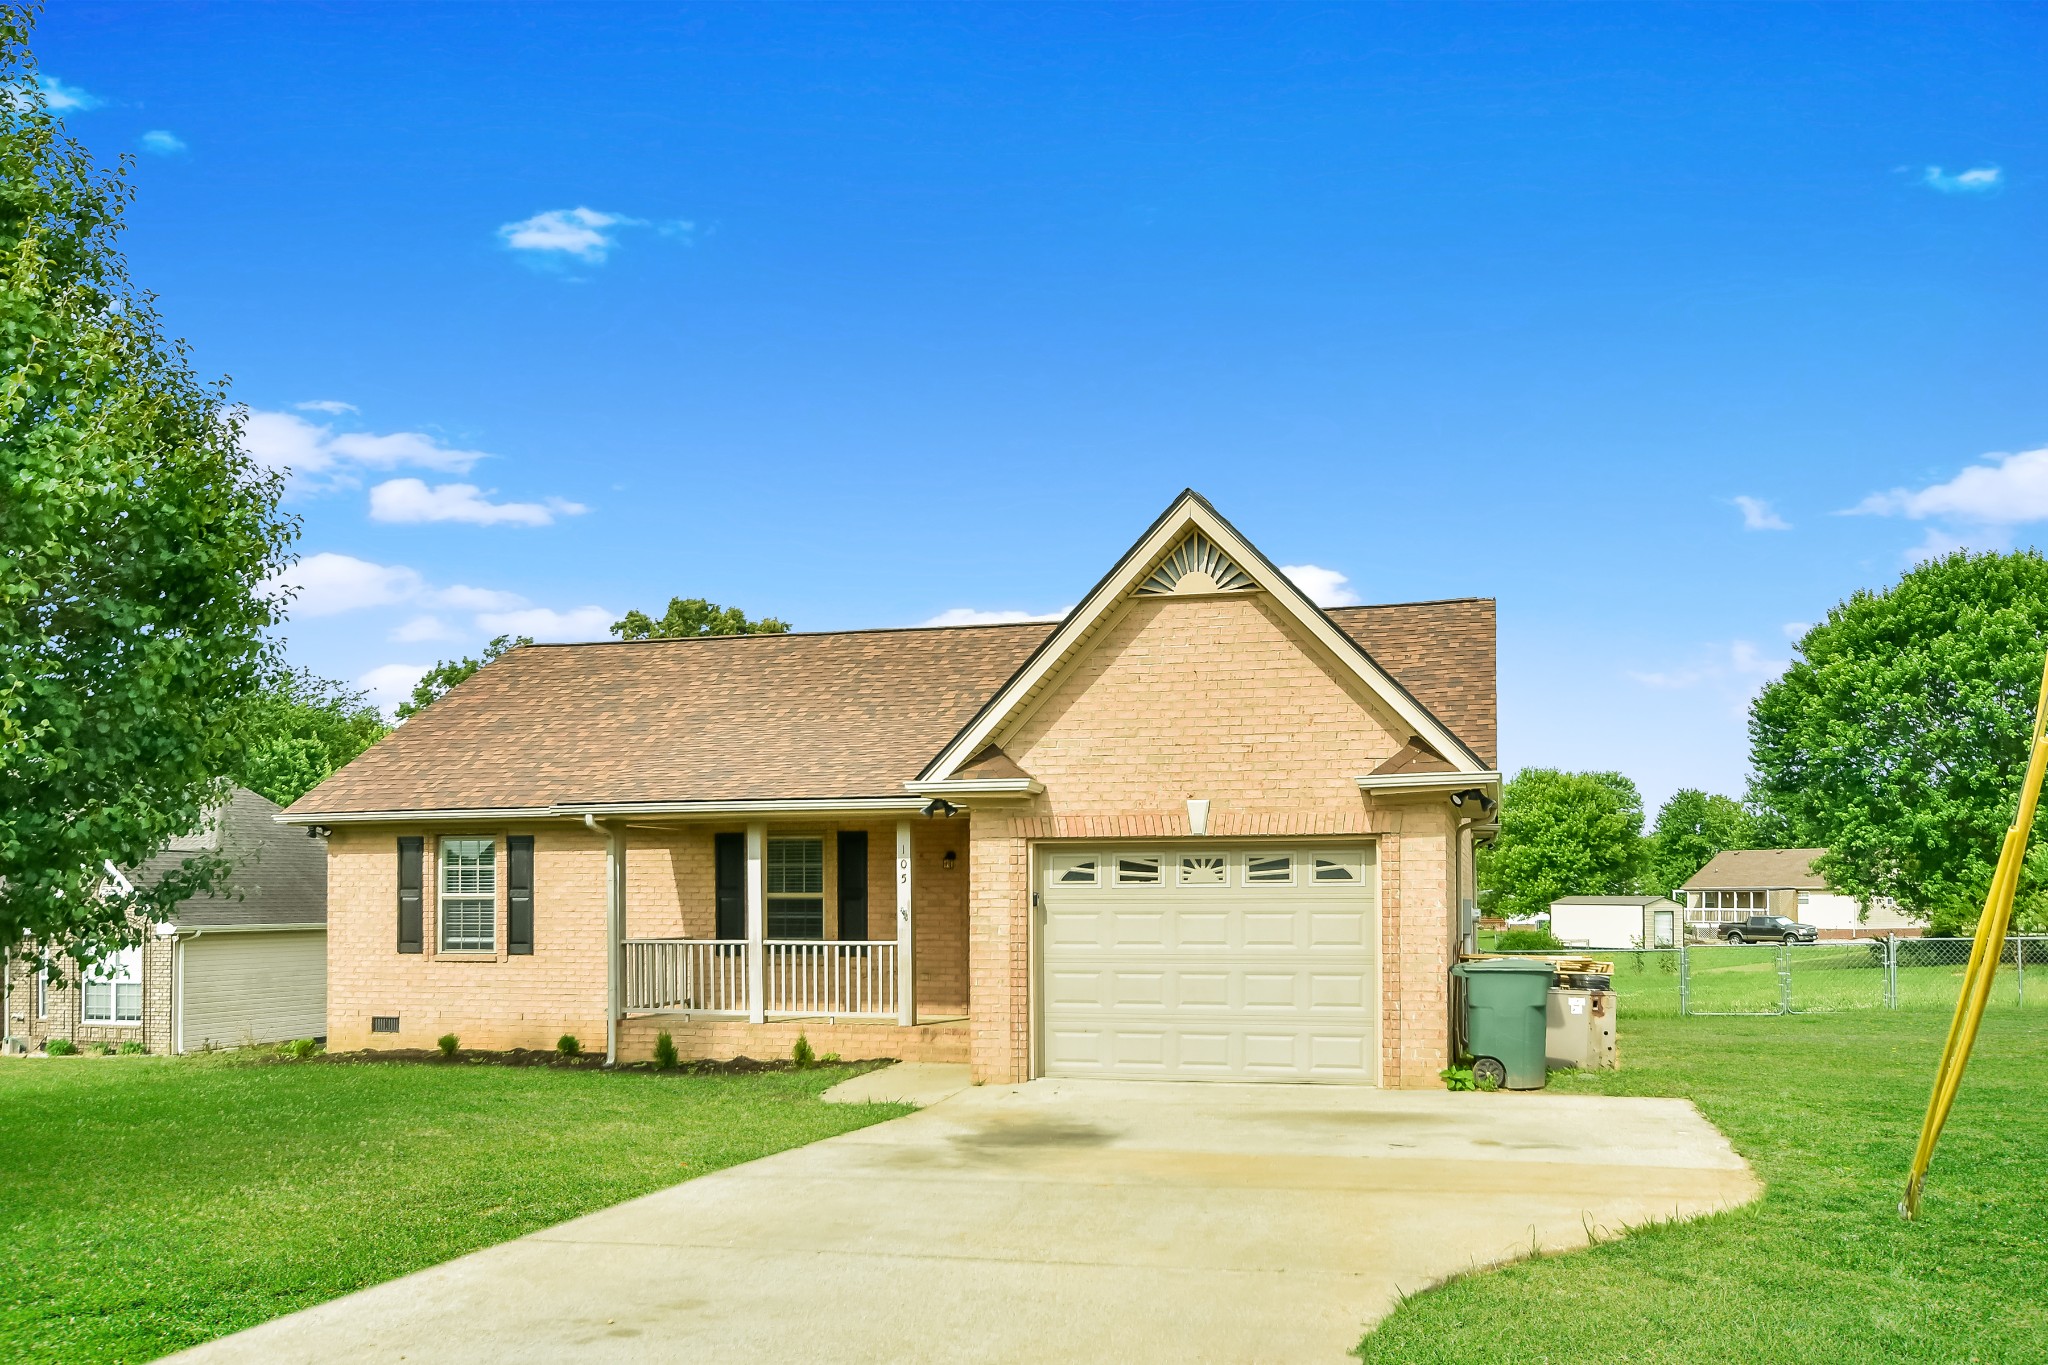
(1204, 961)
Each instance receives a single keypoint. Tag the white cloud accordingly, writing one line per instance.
(1324, 587)
(283, 440)
(60, 98)
(161, 143)
(970, 616)
(2011, 490)
(327, 583)
(390, 684)
(584, 233)
(333, 407)
(1736, 670)
(421, 628)
(1981, 180)
(1793, 630)
(411, 500)
(463, 598)
(1758, 516)
(403, 448)
(544, 623)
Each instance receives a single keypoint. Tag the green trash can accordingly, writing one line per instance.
(1504, 1018)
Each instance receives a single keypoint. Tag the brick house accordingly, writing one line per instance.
(246, 966)
(1198, 828)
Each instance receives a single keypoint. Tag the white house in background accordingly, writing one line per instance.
(1615, 921)
(1739, 883)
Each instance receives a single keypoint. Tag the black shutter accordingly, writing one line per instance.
(853, 884)
(729, 877)
(519, 894)
(410, 856)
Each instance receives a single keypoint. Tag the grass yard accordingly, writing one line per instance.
(1821, 1269)
(151, 1203)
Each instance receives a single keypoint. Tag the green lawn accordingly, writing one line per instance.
(148, 1204)
(1821, 1269)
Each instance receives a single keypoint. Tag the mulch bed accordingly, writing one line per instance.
(521, 1056)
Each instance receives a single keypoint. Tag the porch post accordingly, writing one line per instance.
(757, 923)
(614, 933)
(906, 965)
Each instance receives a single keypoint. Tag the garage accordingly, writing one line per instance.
(237, 987)
(1253, 963)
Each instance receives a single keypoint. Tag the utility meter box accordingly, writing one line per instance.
(1579, 1030)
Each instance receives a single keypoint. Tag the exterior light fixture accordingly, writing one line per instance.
(939, 805)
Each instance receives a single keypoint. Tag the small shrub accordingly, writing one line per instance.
(829, 1058)
(131, 1048)
(107, 1049)
(60, 1047)
(299, 1049)
(664, 1051)
(449, 1044)
(1456, 1077)
(1526, 941)
(568, 1045)
(802, 1055)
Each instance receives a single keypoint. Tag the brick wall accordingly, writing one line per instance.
(1221, 698)
(496, 1001)
(65, 1005)
(854, 1041)
(489, 1000)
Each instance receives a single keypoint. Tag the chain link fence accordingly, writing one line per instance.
(1801, 978)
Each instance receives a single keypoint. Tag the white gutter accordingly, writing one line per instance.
(1427, 782)
(614, 929)
(851, 805)
(979, 786)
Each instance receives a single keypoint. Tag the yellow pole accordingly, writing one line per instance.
(1984, 955)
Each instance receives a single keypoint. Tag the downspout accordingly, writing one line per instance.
(614, 917)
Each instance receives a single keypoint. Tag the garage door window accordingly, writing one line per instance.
(1204, 869)
(113, 989)
(1338, 867)
(1138, 869)
(469, 895)
(1269, 869)
(1069, 869)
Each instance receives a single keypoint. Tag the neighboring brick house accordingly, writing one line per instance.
(1738, 883)
(246, 966)
(1198, 828)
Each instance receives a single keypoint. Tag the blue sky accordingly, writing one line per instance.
(1667, 327)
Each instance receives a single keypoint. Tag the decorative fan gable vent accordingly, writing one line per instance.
(1195, 565)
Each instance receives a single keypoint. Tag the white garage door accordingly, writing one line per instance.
(1206, 962)
(243, 988)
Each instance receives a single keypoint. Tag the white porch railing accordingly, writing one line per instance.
(802, 976)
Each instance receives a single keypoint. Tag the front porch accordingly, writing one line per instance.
(849, 932)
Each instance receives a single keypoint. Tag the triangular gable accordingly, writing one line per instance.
(1190, 547)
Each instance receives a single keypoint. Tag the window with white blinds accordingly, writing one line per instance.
(469, 895)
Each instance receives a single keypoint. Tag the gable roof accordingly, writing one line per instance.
(1191, 535)
(847, 716)
(1759, 869)
(1613, 900)
(278, 875)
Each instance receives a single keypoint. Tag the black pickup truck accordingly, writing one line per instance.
(1769, 929)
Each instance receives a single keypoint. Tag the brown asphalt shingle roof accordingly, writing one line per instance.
(776, 717)
(1759, 869)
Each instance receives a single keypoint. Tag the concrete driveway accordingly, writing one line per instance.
(1061, 1220)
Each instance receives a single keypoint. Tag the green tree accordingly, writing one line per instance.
(1691, 828)
(1562, 834)
(449, 672)
(1898, 739)
(137, 538)
(694, 616)
(299, 730)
